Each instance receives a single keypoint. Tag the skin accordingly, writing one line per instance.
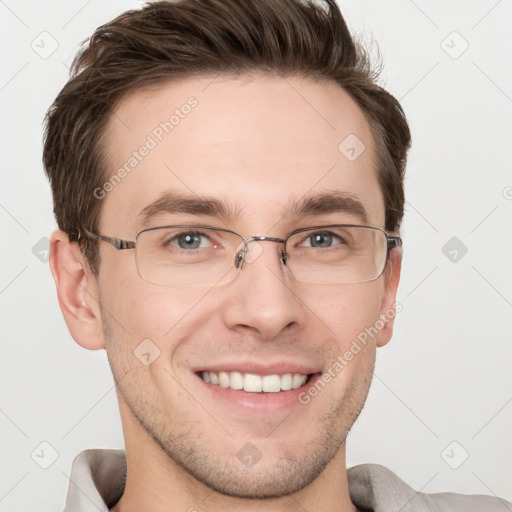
(256, 143)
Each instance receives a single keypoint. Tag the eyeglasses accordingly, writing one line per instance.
(191, 255)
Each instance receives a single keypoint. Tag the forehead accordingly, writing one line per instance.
(253, 143)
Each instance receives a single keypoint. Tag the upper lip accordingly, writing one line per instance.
(258, 368)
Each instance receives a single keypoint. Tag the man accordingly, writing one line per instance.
(228, 184)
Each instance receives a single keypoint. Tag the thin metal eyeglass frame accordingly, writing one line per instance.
(392, 241)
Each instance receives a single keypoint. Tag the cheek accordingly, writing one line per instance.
(138, 310)
(347, 311)
(351, 314)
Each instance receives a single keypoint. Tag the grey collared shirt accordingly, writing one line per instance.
(98, 479)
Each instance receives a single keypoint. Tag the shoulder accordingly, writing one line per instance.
(97, 476)
(377, 488)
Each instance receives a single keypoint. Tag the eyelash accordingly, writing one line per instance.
(168, 241)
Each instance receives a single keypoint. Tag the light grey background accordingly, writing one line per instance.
(444, 378)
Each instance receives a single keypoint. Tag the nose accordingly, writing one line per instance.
(264, 300)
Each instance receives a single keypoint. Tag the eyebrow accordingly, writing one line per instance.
(318, 204)
(326, 202)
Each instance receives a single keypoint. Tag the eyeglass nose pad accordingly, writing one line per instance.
(239, 258)
(284, 257)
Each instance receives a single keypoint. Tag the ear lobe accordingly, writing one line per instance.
(388, 307)
(77, 292)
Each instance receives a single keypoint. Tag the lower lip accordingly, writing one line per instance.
(259, 402)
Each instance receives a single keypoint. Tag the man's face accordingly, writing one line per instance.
(256, 146)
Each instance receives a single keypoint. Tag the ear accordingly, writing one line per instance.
(77, 291)
(388, 308)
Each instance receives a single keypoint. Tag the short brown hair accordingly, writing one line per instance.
(178, 39)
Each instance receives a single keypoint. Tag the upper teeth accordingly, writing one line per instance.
(256, 383)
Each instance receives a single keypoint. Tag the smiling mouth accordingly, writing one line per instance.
(252, 383)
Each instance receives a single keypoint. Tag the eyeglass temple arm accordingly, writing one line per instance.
(116, 242)
(394, 241)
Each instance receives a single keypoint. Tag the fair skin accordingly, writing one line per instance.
(255, 145)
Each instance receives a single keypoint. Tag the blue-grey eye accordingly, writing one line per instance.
(190, 241)
(323, 239)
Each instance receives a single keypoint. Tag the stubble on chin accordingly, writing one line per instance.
(193, 446)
